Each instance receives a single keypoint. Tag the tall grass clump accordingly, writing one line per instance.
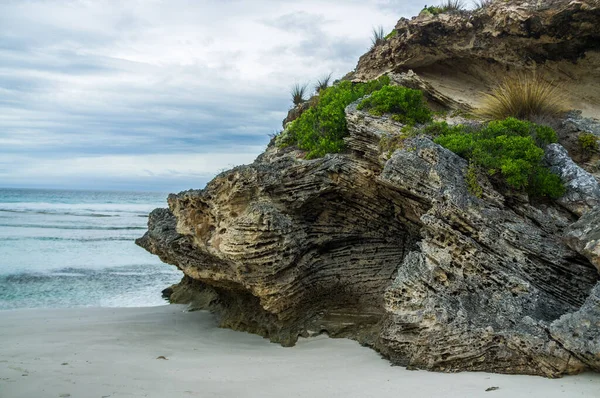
(321, 128)
(510, 151)
(377, 36)
(322, 83)
(523, 97)
(452, 5)
(298, 92)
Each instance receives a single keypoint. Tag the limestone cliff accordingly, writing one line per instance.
(392, 249)
(462, 54)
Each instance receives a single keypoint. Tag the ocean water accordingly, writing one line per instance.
(76, 248)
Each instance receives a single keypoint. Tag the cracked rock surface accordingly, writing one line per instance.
(395, 253)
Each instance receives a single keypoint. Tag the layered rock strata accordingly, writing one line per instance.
(395, 253)
(387, 245)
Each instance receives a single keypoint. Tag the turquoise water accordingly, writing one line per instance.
(76, 248)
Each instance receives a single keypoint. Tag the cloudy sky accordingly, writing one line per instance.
(161, 94)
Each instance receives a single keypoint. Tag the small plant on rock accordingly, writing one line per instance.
(453, 5)
(322, 83)
(523, 97)
(377, 37)
(473, 184)
(588, 142)
(298, 92)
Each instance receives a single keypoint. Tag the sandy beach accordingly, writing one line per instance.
(167, 352)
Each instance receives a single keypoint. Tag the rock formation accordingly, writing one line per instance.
(390, 248)
(462, 54)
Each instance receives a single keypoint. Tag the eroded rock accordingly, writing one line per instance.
(579, 332)
(464, 54)
(395, 253)
(388, 246)
(584, 236)
(583, 190)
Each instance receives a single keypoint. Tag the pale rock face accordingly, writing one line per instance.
(387, 246)
(578, 332)
(464, 54)
(583, 190)
(584, 236)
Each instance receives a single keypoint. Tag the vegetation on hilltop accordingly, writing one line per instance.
(510, 149)
(321, 128)
(405, 105)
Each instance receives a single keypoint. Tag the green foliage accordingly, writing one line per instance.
(446, 6)
(433, 10)
(321, 129)
(406, 105)
(588, 142)
(435, 129)
(472, 181)
(393, 33)
(510, 149)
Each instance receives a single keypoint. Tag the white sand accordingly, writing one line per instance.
(113, 353)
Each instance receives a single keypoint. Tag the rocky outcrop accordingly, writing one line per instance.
(395, 253)
(385, 243)
(579, 332)
(584, 236)
(582, 189)
(463, 54)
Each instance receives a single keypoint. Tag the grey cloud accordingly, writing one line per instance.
(82, 79)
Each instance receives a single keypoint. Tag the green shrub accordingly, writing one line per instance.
(433, 10)
(435, 129)
(510, 149)
(446, 6)
(406, 105)
(588, 142)
(321, 129)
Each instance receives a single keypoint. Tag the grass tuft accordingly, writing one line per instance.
(378, 36)
(322, 83)
(523, 97)
(298, 92)
(452, 5)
